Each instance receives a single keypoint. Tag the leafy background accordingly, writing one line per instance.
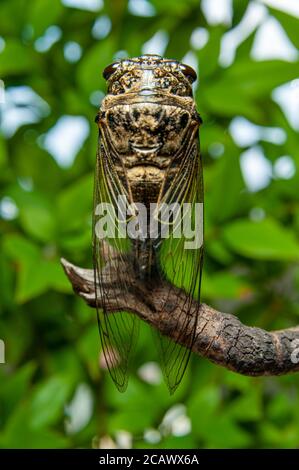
(53, 392)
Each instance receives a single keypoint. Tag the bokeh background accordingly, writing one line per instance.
(54, 391)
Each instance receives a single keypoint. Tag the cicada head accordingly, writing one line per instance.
(150, 74)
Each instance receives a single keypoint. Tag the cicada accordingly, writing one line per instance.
(148, 199)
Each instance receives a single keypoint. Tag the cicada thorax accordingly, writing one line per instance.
(147, 141)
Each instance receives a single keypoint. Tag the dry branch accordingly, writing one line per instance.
(220, 337)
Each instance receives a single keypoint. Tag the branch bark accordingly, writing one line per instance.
(220, 337)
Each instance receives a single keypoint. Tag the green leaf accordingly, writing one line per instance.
(56, 277)
(20, 249)
(38, 221)
(38, 276)
(244, 49)
(227, 168)
(239, 8)
(89, 72)
(133, 421)
(75, 204)
(236, 382)
(48, 401)
(247, 407)
(225, 100)
(36, 273)
(213, 424)
(3, 153)
(43, 14)
(265, 240)
(281, 408)
(88, 348)
(19, 434)
(37, 165)
(17, 333)
(241, 88)
(224, 286)
(14, 387)
(179, 35)
(208, 56)
(16, 59)
(205, 404)
(136, 409)
(32, 281)
(6, 282)
(278, 437)
(289, 23)
(222, 432)
(177, 9)
(259, 78)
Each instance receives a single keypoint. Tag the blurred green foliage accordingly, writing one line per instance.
(52, 391)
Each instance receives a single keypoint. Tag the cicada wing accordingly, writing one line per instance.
(118, 330)
(181, 265)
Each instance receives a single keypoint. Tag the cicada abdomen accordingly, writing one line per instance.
(148, 201)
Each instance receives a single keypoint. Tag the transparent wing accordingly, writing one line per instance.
(118, 330)
(181, 265)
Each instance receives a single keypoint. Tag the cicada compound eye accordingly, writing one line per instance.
(110, 69)
(189, 72)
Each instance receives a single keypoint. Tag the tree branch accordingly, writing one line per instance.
(220, 337)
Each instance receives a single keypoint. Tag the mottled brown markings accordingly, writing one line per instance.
(149, 151)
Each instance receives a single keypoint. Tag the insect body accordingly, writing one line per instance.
(149, 163)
